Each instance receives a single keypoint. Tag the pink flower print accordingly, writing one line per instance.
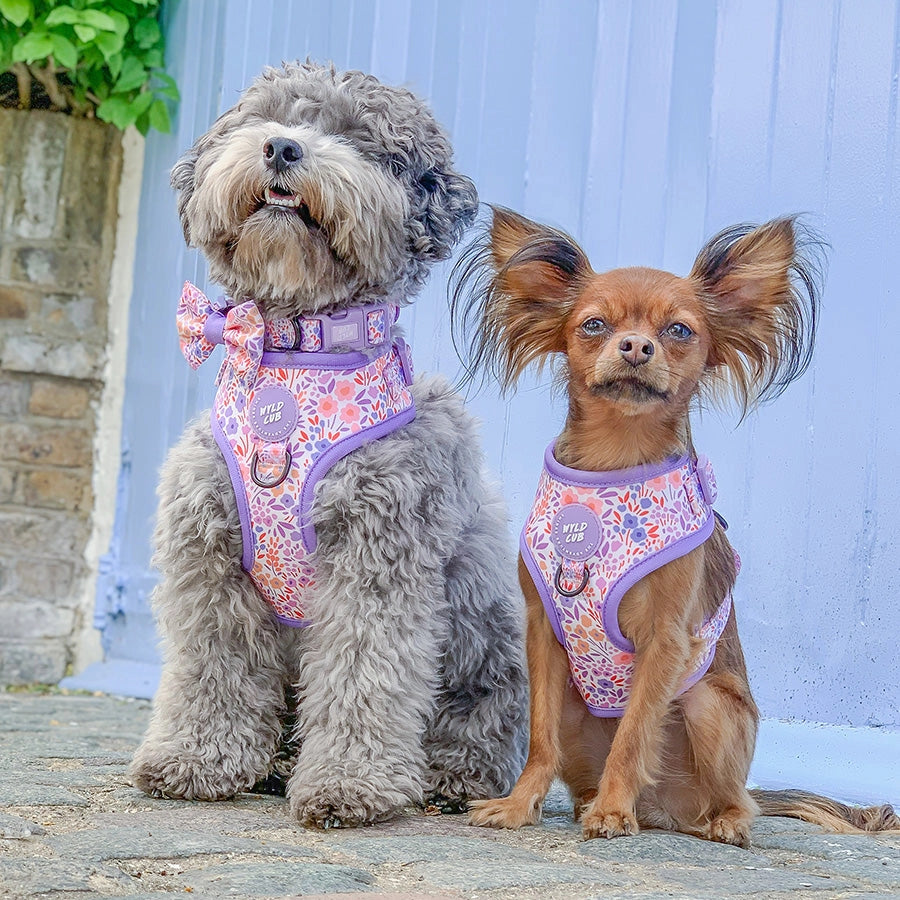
(675, 478)
(350, 413)
(328, 406)
(345, 390)
(622, 658)
(568, 497)
(657, 484)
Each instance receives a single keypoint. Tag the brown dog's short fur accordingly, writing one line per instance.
(640, 345)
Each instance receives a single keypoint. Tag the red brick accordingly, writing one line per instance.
(58, 489)
(58, 399)
(62, 446)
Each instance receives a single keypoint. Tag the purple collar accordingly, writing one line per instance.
(632, 475)
(355, 328)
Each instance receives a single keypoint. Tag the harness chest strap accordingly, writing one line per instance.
(283, 417)
(590, 536)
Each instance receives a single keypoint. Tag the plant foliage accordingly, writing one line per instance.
(86, 57)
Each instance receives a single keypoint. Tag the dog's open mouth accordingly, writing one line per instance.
(280, 198)
(628, 389)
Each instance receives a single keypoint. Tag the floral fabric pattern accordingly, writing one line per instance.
(640, 523)
(280, 334)
(332, 405)
(377, 327)
(194, 308)
(310, 335)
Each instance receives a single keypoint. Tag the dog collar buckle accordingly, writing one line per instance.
(345, 329)
(357, 328)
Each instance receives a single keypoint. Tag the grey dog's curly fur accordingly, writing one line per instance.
(410, 684)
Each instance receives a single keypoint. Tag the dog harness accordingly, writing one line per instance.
(590, 536)
(294, 396)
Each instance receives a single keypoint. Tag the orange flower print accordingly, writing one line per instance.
(350, 413)
(344, 390)
(328, 405)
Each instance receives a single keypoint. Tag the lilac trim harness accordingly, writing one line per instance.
(591, 536)
(283, 417)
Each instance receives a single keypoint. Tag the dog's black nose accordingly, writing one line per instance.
(282, 153)
(636, 349)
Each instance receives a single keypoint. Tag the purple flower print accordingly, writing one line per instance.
(315, 448)
(629, 521)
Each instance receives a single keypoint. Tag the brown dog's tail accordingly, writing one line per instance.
(830, 814)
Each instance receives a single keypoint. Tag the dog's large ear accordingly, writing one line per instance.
(513, 290)
(760, 289)
(182, 180)
(445, 204)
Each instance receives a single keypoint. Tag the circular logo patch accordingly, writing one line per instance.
(575, 531)
(273, 413)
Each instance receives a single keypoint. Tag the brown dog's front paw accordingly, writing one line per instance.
(506, 812)
(601, 823)
(730, 829)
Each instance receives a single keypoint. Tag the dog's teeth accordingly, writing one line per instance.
(289, 200)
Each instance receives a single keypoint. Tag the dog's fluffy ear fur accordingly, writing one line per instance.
(182, 180)
(513, 290)
(759, 287)
(444, 205)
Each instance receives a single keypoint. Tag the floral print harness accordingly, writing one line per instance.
(283, 417)
(590, 536)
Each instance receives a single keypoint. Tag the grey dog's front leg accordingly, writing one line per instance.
(366, 679)
(216, 715)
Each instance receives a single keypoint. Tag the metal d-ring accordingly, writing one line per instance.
(281, 475)
(584, 582)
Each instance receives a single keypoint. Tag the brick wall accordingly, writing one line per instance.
(59, 181)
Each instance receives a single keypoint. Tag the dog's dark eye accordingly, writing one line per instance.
(679, 331)
(593, 327)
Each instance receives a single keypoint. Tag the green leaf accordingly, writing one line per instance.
(126, 7)
(64, 51)
(35, 45)
(147, 33)
(114, 64)
(159, 117)
(117, 110)
(99, 20)
(141, 103)
(122, 22)
(110, 44)
(17, 11)
(133, 76)
(85, 33)
(153, 58)
(169, 88)
(63, 15)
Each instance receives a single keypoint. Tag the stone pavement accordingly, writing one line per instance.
(72, 827)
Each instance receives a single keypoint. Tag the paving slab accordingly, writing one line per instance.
(72, 826)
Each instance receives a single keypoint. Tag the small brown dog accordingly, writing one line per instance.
(640, 346)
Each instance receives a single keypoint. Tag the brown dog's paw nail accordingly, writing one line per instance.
(503, 813)
(608, 825)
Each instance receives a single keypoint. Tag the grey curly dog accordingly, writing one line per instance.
(321, 191)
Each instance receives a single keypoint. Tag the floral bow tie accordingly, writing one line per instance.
(201, 326)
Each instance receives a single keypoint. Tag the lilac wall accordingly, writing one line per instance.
(642, 128)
